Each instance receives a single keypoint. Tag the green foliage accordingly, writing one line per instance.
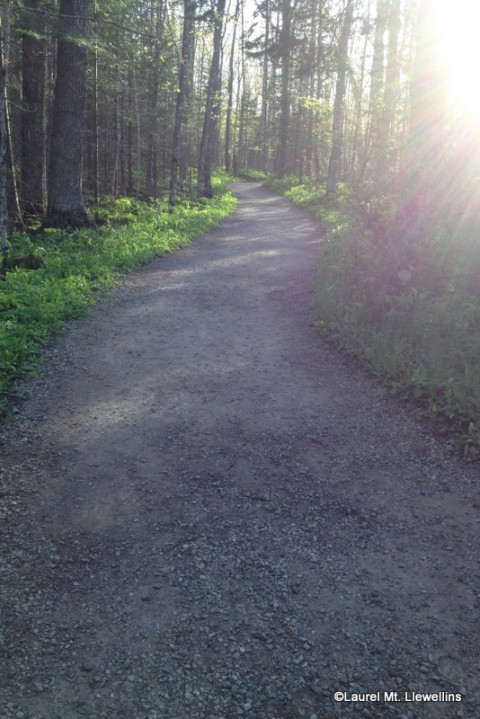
(333, 212)
(282, 184)
(78, 265)
(253, 175)
(420, 334)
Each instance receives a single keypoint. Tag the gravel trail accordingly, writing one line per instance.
(208, 513)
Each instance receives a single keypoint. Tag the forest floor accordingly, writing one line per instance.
(207, 512)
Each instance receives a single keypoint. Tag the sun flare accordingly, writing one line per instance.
(458, 24)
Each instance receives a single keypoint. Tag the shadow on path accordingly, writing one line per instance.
(209, 513)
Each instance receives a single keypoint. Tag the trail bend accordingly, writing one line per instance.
(208, 513)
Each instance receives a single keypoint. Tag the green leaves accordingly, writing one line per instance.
(79, 265)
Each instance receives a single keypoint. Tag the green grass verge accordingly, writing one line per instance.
(81, 264)
(424, 338)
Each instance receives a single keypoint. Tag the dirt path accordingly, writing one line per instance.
(207, 513)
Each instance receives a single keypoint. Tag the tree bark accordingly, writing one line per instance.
(94, 138)
(151, 179)
(210, 124)
(183, 94)
(265, 82)
(285, 50)
(33, 155)
(65, 200)
(377, 140)
(231, 72)
(338, 108)
(392, 85)
(4, 60)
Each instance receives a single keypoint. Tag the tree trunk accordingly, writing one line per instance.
(210, 124)
(265, 81)
(94, 139)
(392, 84)
(33, 156)
(338, 107)
(285, 49)
(228, 120)
(183, 95)
(129, 189)
(116, 144)
(377, 91)
(151, 179)
(316, 12)
(4, 60)
(360, 150)
(65, 200)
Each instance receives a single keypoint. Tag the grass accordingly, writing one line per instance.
(422, 337)
(80, 266)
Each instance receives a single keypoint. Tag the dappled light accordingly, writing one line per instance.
(240, 432)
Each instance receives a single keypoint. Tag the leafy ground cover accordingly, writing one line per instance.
(417, 325)
(79, 265)
(252, 175)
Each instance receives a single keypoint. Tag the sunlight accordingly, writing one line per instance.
(458, 26)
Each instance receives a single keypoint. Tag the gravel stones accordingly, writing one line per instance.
(246, 524)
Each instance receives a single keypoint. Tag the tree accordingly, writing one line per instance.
(338, 108)
(231, 72)
(4, 61)
(265, 144)
(419, 176)
(210, 123)
(65, 201)
(377, 87)
(183, 95)
(151, 180)
(285, 42)
(33, 154)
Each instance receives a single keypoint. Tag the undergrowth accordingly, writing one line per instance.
(414, 322)
(252, 175)
(78, 265)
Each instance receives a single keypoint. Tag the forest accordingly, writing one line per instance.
(362, 111)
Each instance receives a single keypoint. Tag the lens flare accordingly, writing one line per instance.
(458, 25)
